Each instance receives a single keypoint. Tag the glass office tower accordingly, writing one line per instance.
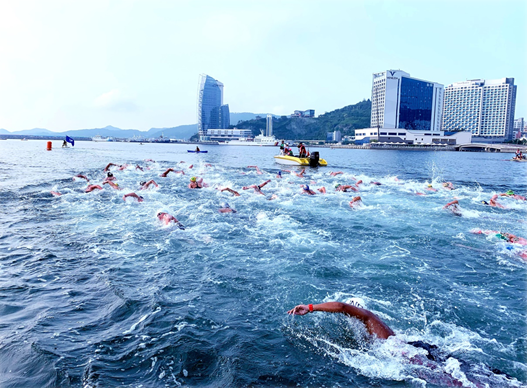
(400, 101)
(211, 111)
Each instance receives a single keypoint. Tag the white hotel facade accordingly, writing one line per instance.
(484, 107)
(407, 110)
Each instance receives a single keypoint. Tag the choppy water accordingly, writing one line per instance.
(95, 292)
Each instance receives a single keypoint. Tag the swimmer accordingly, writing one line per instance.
(453, 207)
(235, 193)
(138, 167)
(493, 202)
(279, 175)
(225, 208)
(123, 166)
(196, 183)
(322, 190)
(376, 183)
(81, 176)
(150, 160)
(298, 174)
(145, 185)
(164, 175)
(430, 188)
(90, 188)
(56, 193)
(108, 166)
(378, 329)
(509, 237)
(133, 195)
(345, 188)
(168, 218)
(335, 173)
(510, 193)
(257, 188)
(257, 169)
(448, 186)
(373, 323)
(355, 202)
(114, 185)
(307, 190)
(109, 177)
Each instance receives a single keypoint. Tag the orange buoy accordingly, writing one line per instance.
(49, 146)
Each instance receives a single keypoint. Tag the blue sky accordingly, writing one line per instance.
(136, 64)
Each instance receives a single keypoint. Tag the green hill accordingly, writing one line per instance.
(346, 120)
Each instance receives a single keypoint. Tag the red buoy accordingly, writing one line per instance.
(49, 146)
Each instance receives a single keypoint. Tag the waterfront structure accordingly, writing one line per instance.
(405, 136)
(483, 107)
(402, 102)
(211, 111)
(269, 125)
(304, 113)
(225, 135)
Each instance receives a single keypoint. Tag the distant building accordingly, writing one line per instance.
(304, 113)
(329, 137)
(400, 101)
(407, 110)
(484, 107)
(519, 128)
(337, 136)
(211, 111)
(220, 134)
(269, 125)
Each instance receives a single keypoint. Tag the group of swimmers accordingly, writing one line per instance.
(374, 325)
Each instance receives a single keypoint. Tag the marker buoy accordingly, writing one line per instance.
(49, 146)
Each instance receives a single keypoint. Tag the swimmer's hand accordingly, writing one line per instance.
(301, 309)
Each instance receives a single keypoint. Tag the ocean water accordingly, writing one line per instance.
(96, 292)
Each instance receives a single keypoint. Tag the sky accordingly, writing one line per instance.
(68, 65)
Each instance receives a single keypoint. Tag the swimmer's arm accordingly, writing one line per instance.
(373, 324)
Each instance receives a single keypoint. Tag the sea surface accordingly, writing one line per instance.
(96, 292)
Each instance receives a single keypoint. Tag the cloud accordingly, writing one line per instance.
(115, 100)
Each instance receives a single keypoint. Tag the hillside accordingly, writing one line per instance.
(345, 120)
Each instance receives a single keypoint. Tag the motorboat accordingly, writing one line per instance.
(312, 160)
(100, 138)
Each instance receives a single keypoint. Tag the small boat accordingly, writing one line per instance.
(99, 138)
(313, 160)
(198, 152)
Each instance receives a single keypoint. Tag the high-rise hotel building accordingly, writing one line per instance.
(400, 101)
(407, 110)
(212, 113)
(484, 107)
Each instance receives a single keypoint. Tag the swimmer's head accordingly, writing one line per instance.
(193, 179)
(306, 187)
(484, 202)
(280, 173)
(510, 192)
(225, 205)
(445, 184)
(429, 185)
(110, 174)
(337, 186)
(141, 197)
(142, 183)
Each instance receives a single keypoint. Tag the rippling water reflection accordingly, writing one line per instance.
(96, 292)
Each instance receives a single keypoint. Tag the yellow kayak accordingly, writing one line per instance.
(313, 160)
